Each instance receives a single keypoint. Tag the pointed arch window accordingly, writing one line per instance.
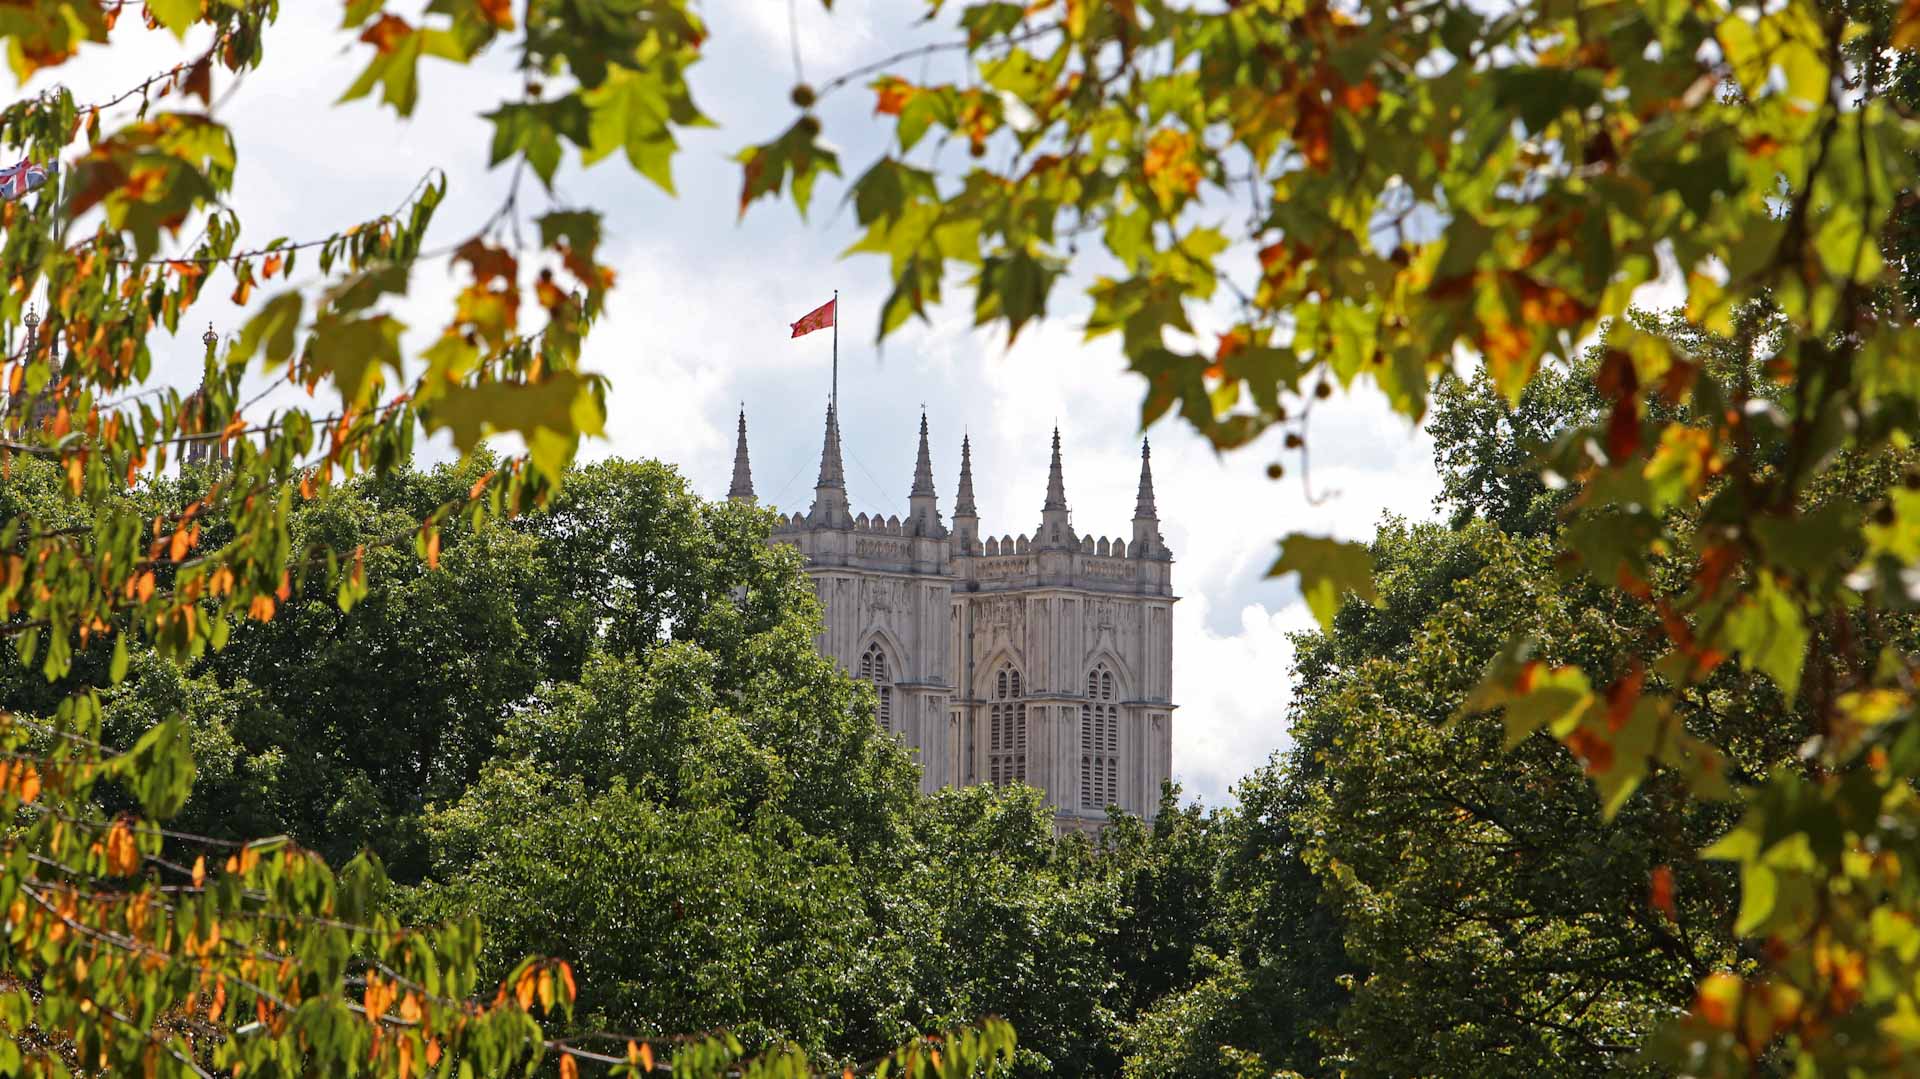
(1007, 729)
(873, 668)
(1099, 741)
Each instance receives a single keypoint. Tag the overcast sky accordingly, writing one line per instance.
(698, 325)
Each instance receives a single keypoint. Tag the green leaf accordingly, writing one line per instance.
(1329, 571)
(630, 112)
(273, 327)
(1533, 696)
(175, 15)
(551, 415)
(1768, 632)
(352, 353)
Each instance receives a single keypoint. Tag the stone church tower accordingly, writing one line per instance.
(1044, 659)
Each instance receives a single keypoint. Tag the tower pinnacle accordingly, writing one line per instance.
(1147, 542)
(923, 509)
(742, 487)
(1143, 507)
(1056, 486)
(1055, 529)
(831, 474)
(923, 465)
(963, 501)
(830, 490)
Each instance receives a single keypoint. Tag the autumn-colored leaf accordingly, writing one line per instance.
(123, 853)
(1906, 26)
(891, 95)
(1360, 96)
(1169, 166)
(1660, 892)
(497, 12)
(386, 32)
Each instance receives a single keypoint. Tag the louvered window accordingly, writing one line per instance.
(873, 668)
(1099, 741)
(1007, 730)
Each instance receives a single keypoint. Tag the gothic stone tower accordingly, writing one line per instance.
(1044, 659)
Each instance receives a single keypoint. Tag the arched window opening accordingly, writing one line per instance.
(1099, 741)
(1007, 730)
(873, 668)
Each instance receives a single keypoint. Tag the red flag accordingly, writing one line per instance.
(817, 319)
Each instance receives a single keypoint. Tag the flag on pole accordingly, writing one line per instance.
(817, 319)
(24, 178)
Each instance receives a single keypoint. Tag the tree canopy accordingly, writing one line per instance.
(1425, 186)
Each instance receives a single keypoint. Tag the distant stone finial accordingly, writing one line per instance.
(830, 508)
(32, 321)
(1143, 507)
(963, 501)
(923, 465)
(831, 472)
(1147, 541)
(1056, 486)
(742, 487)
(209, 338)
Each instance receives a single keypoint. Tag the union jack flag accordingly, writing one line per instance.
(23, 179)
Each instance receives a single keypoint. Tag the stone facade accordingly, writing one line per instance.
(1045, 659)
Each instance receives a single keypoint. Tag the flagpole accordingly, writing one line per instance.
(834, 400)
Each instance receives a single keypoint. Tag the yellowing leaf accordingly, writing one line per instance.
(123, 853)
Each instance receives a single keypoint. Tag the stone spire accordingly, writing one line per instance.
(1146, 519)
(1056, 486)
(923, 464)
(830, 490)
(1055, 530)
(742, 488)
(963, 502)
(966, 519)
(1143, 503)
(831, 474)
(923, 509)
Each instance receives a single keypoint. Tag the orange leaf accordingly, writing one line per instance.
(29, 784)
(261, 609)
(1660, 892)
(143, 588)
(891, 95)
(569, 1067)
(386, 32)
(646, 1055)
(1359, 98)
(123, 854)
(1906, 28)
(433, 549)
(498, 12)
(200, 871)
(177, 547)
